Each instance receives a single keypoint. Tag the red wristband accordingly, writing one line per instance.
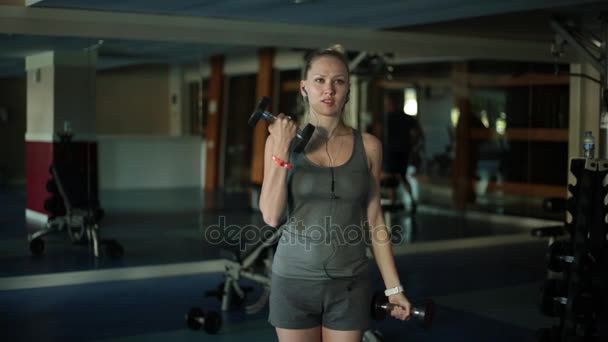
(282, 163)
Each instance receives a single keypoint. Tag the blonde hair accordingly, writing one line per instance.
(337, 51)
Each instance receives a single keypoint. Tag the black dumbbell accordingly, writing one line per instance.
(260, 112)
(554, 301)
(560, 257)
(381, 307)
(559, 254)
(553, 297)
(37, 246)
(211, 322)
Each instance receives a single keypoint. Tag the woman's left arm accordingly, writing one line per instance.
(380, 237)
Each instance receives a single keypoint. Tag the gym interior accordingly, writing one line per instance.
(130, 171)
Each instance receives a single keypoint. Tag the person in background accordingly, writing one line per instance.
(402, 142)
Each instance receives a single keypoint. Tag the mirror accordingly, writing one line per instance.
(150, 103)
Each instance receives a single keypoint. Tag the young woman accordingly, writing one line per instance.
(327, 199)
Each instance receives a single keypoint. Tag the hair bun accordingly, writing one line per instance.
(337, 48)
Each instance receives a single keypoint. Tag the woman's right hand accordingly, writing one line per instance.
(282, 130)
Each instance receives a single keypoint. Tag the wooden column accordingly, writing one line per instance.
(462, 191)
(214, 122)
(264, 88)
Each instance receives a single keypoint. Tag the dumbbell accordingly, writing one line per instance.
(553, 297)
(558, 255)
(302, 136)
(381, 307)
(211, 322)
(554, 301)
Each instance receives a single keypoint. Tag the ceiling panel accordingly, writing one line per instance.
(513, 19)
(342, 13)
(111, 53)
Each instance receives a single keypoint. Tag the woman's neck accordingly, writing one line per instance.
(326, 130)
(327, 127)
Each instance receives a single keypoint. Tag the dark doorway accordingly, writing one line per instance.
(238, 135)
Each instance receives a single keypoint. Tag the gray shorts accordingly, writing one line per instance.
(338, 304)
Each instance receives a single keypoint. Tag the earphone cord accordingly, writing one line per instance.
(331, 204)
(333, 196)
(352, 281)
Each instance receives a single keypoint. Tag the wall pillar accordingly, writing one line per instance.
(462, 192)
(214, 122)
(60, 97)
(264, 87)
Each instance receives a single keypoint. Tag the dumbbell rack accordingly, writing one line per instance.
(583, 282)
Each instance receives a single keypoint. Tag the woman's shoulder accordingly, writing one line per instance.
(370, 142)
(373, 148)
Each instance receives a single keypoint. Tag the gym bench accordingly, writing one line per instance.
(254, 264)
(80, 218)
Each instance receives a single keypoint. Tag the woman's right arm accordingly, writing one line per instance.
(273, 197)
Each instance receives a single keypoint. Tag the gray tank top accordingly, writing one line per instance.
(326, 234)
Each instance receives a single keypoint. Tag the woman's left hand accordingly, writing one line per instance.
(402, 310)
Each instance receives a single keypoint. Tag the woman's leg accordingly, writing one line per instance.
(300, 335)
(346, 309)
(295, 309)
(330, 335)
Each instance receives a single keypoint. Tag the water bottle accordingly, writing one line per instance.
(603, 143)
(588, 145)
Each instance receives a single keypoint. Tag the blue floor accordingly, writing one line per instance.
(484, 293)
(154, 309)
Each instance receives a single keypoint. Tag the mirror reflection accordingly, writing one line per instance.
(147, 110)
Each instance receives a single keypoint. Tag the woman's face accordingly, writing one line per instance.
(326, 86)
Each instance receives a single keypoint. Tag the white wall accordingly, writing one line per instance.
(150, 162)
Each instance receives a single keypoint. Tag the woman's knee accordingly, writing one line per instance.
(299, 335)
(330, 335)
